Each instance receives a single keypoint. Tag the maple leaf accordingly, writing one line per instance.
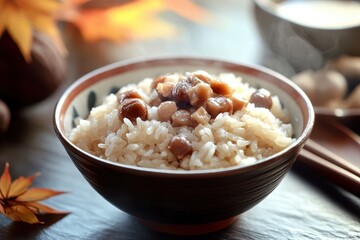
(20, 17)
(19, 202)
(136, 19)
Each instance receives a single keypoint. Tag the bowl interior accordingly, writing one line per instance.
(90, 90)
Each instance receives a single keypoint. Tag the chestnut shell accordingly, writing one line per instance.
(24, 83)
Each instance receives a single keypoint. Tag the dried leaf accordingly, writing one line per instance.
(20, 185)
(37, 194)
(116, 27)
(3, 17)
(5, 182)
(19, 202)
(19, 29)
(21, 213)
(45, 7)
(47, 25)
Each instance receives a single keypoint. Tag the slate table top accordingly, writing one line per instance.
(304, 206)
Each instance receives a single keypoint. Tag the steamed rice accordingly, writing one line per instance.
(241, 138)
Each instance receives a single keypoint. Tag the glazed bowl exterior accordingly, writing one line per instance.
(180, 198)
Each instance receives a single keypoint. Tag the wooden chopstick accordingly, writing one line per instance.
(330, 156)
(335, 173)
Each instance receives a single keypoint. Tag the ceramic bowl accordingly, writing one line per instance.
(180, 202)
(304, 42)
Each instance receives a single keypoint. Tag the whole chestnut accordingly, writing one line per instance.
(25, 83)
(4, 117)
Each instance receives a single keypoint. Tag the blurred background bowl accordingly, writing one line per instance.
(181, 202)
(313, 36)
(308, 32)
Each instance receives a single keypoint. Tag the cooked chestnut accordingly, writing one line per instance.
(182, 118)
(133, 108)
(203, 76)
(128, 94)
(180, 147)
(157, 80)
(165, 89)
(166, 110)
(192, 80)
(261, 98)
(221, 87)
(199, 93)
(201, 116)
(217, 105)
(180, 94)
(238, 102)
(154, 98)
(323, 87)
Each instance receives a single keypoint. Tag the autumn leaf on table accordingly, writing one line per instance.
(137, 19)
(20, 17)
(20, 202)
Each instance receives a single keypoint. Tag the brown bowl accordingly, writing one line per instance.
(181, 202)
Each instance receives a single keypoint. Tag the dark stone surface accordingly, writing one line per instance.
(304, 206)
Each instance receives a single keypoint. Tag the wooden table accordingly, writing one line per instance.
(304, 206)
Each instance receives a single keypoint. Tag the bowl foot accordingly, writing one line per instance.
(195, 229)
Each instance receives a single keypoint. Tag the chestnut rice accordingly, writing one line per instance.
(187, 121)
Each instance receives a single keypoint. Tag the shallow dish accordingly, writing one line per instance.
(181, 202)
(340, 113)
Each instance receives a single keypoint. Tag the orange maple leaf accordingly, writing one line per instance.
(137, 19)
(19, 202)
(20, 17)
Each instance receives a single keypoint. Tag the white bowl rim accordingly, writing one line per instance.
(269, 10)
(296, 145)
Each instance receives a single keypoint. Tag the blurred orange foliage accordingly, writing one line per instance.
(113, 20)
(136, 19)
